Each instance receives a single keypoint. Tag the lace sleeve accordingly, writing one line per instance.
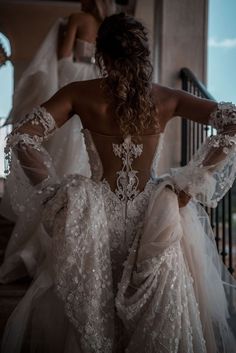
(30, 167)
(211, 172)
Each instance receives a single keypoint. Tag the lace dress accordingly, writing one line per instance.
(44, 76)
(121, 270)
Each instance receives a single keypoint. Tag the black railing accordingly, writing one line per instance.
(223, 218)
(4, 131)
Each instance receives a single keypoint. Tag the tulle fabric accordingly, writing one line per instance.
(215, 288)
(46, 74)
(212, 170)
(40, 80)
(38, 324)
(165, 228)
(43, 77)
(172, 264)
(143, 290)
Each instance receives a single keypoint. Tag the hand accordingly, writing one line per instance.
(183, 198)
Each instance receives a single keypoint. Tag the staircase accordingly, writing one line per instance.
(10, 294)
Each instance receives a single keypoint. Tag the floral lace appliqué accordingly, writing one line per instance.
(127, 181)
(225, 114)
(43, 126)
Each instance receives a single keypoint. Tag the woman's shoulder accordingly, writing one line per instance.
(161, 92)
(165, 101)
(81, 18)
(162, 95)
(86, 93)
(85, 86)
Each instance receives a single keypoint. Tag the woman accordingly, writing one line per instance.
(56, 64)
(65, 55)
(77, 41)
(128, 267)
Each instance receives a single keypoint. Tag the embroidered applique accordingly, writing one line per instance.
(224, 114)
(127, 181)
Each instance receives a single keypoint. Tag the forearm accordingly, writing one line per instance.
(67, 40)
(25, 142)
(212, 170)
(221, 144)
(33, 164)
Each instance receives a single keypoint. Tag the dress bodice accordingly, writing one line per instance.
(127, 171)
(84, 50)
(130, 158)
(129, 275)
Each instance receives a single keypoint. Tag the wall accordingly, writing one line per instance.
(180, 40)
(144, 12)
(177, 33)
(26, 24)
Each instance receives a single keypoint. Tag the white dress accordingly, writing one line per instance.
(124, 271)
(43, 77)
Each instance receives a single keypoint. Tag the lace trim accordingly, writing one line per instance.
(225, 141)
(127, 181)
(38, 116)
(225, 114)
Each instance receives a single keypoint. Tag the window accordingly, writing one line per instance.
(6, 89)
(222, 50)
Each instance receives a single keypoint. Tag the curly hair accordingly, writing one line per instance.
(122, 42)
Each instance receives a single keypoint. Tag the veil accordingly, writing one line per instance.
(42, 78)
(47, 194)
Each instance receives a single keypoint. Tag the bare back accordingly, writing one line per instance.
(89, 100)
(134, 156)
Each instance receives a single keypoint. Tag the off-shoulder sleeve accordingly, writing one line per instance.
(212, 170)
(30, 167)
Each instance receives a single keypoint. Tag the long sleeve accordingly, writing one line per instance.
(30, 166)
(212, 170)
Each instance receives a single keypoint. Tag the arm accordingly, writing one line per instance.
(66, 43)
(25, 141)
(207, 112)
(193, 108)
(211, 172)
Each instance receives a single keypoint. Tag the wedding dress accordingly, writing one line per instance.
(43, 77)
(123, 269)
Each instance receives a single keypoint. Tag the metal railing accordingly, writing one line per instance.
(4, 131)
(223, 218)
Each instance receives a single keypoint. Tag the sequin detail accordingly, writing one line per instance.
(117, 300)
